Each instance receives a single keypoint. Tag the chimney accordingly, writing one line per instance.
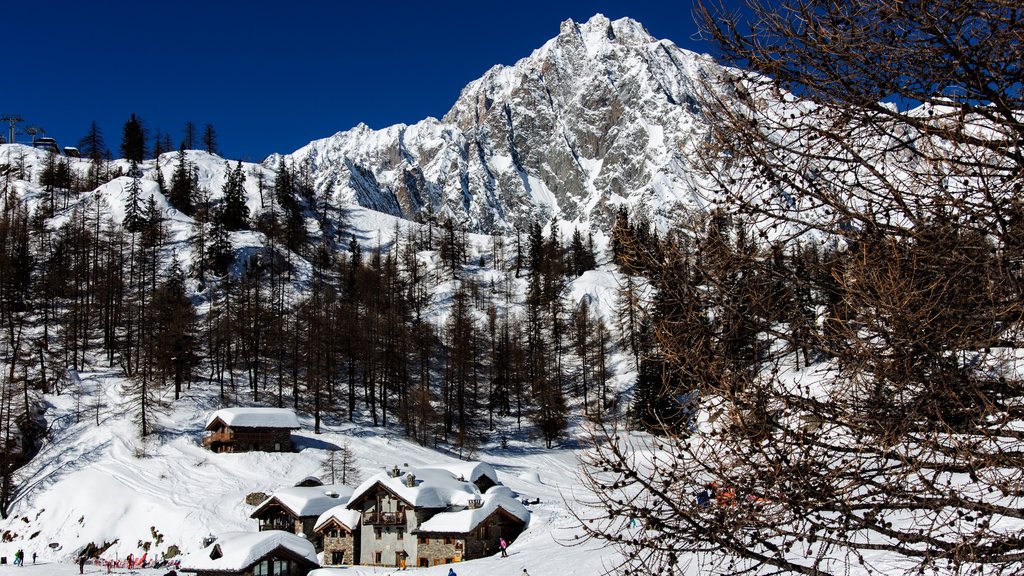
(410, 480)
(475, 503)
(395, 472)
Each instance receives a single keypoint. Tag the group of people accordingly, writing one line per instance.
(19, 557)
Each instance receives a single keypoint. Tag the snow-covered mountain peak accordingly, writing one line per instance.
(601, 114)
(599, 31)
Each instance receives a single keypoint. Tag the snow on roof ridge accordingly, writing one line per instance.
(256, 417)
(310, 500)
(467, 519)
(347, 517)
(433, 486)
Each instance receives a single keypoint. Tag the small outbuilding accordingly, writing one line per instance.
(251, 429)
(268, 553)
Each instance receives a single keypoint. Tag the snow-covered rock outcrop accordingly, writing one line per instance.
(600, 115)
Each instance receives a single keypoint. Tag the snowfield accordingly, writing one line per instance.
(99, 483)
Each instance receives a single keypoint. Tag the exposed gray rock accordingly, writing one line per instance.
(600, 115)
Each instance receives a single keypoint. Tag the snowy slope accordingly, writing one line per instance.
(95, 481)
(98, 483)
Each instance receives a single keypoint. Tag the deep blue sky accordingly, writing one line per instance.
(272, 76)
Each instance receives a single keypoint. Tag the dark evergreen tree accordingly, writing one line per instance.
(182, 193)
(133, 140)
(175, 330)
(294, 229)
(219, 253)
(581, 256)
(235, 214)
(133, 221)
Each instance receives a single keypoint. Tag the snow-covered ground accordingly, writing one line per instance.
(95, 481)
(99, 483)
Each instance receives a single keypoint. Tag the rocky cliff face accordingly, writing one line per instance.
(603, 114)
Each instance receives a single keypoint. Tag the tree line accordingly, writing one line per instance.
(358, 339)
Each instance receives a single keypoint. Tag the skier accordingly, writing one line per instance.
(19, 557)
(503, 545)
(451, 572)
(81, 564)
(33, 557)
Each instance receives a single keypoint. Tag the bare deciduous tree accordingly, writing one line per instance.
(884, 136)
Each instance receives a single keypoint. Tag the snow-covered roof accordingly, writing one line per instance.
(463, 521)
(432, 488)
(306, 501)
(347, 517)
(255, 418)
(239, 550)
(470, 471)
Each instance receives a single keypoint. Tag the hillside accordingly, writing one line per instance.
(100, 483)
(94, 480)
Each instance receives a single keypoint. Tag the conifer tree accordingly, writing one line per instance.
(175, 336)
(210, 139)
(133, 204)
(188, 139)
(219, 251)
(182, 193)
(235, 214)
(133, 140)
(91, 145)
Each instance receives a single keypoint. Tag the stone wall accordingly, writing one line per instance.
(436, 551)
(345, 544)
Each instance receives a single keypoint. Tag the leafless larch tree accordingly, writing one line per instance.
(847, 322)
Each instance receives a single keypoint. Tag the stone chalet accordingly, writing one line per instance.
(338, 532)
(270, 553)
(297, 509)
(424, 517)
(251, 429)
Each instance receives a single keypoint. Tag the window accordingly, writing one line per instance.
(423, 540)
(273, 567)
(401, 534)
(424, 562)
(377, 557)
(376, 533)
(338, 557)
(448, 540)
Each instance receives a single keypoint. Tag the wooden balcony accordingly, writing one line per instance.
(373, 518)
(286, 525)
(217, 437)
